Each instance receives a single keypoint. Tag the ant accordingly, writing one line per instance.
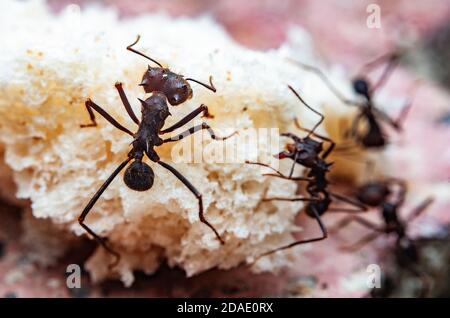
(139, 176)
(380, 194)
(374, 136)
(311, 154)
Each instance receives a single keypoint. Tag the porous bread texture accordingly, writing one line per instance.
(51, 64)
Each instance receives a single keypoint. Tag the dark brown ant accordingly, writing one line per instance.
(312, 155)
(139, 176)
(380, 194)
(374, 136)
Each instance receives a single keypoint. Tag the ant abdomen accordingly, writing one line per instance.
(320, 207)
(373, 193)
(374, 138)
(406, 252)
(139, 176)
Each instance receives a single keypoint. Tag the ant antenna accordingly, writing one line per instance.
(312, 109)
(130, 48)
(210, 86)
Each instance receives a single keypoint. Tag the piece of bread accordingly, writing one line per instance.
(47, 74)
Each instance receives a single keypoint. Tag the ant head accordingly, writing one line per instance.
(139, 176)
(373, 193)
(291, 148)
(177, 89)
(153, 79)
(174, 86)
(361, 86)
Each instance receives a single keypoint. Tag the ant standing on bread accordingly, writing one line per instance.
(139, 176)
(373, 137)
(311, 154)
(380, 194)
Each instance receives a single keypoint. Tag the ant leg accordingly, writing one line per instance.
(197, 194)
(292, 136)
(201, 109)
(419, 209)
(265, 165)
(91, 105)
(377, 61)
(278, 173)
(322, 237)
(194, 129)
(387, 72)
(288, 178)
(290, 199)
(348, 220)
(342, 198)
(327, 82)
(358, 245)
(310, 108)
(385, 117)
(403, 113)
(91, 116)
(87, 209)
(126, 103)
(294, 162)
(343, 210)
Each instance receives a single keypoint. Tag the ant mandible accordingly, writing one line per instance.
(310, 154)
(379, 194)
(374, 137)
(139, 176)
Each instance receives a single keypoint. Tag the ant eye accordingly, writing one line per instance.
(139, 176)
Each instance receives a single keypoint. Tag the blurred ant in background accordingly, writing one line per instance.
(381, 194)
(139, 176)
(310, 154)
(373, 137)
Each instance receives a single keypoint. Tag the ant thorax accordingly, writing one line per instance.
(306, 151)
(154, 114)
(389, 212)
(374, 136)
(174, 86)
(319, 173)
